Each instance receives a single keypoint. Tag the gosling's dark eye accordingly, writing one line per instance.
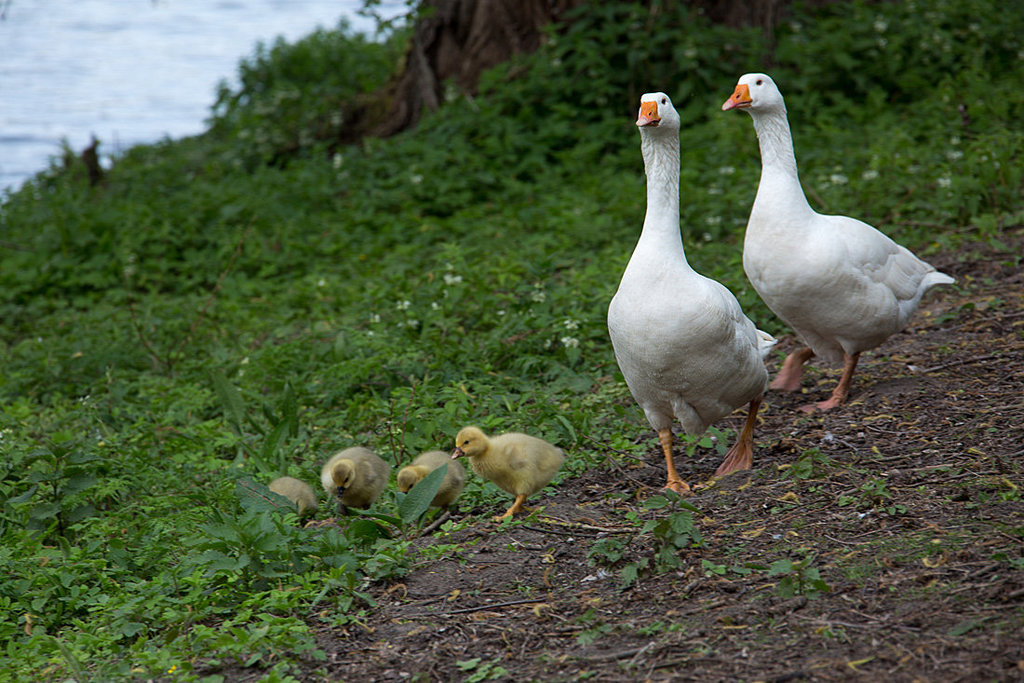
(759, 81)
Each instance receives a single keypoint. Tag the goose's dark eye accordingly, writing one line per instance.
(759, 81)
(664, 101)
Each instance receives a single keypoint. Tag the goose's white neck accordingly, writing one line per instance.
(661, 223)
(780, 181)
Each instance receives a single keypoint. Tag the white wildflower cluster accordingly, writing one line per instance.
(375, 317)
(415, 178)
(727, 170)
(452, 279)
(403, 305)
(869, 174)
(944, 181)
(838, 179)
(321, 282)
(570, 342)
(337, 160)
(129, 264)
(571, 324)
(538, 296)
(713, 220)
(954, 154)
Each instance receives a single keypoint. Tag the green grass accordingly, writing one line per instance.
(238, 305)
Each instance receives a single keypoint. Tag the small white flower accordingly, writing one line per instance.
(414, 323)
(870, 174)
(944, 181)
(570, 342)
(727, 170)
(434, 306)
(690, 53)
(880, 25)
(450, 279)
(713, 220)
(571, 324)
(369, 333)
(244, 361)
(707, 237)
(538, 296)
(337, 160)
(882, 42)
(321, 282)
(500, 312)
(838, 179)
(714, 189)
(375, 318)
(955, 140)
(403, 305)
(954, 154)
(415, 178)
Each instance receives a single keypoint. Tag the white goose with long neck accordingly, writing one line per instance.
(843, 286)
(683, 345)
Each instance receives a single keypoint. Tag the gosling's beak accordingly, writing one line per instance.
(740, 98)
(458, 452)
(340, 491)
(648, 115)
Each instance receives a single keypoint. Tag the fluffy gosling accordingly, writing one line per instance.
(424, 464)
(298, 492)
(518, 463)
(356, 476)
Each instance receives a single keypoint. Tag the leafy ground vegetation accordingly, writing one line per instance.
(232, 307)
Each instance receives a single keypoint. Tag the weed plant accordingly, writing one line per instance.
(239, 305)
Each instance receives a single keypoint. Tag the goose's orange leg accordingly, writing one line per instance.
(842, 389)
(741, 455)
(788, 378)
(675, 482)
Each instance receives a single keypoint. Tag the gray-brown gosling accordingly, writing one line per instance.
(356, 476)
(424, 464)
(518, 463)
(298, 492)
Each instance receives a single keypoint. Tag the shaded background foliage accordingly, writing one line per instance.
(241, 303)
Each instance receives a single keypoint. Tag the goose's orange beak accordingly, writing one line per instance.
(648, 114)
(740, 98)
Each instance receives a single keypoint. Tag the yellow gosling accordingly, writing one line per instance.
(356, 476)
(518, 463)
(424, 464)
(298, 492)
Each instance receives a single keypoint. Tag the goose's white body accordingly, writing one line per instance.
(684, 346)
(842, 285)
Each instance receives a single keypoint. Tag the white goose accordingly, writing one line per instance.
(842, 285)
(681, 339)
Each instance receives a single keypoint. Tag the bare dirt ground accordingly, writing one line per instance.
(906, 510)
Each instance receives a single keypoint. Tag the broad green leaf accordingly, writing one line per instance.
(230, 401)
(418, 499)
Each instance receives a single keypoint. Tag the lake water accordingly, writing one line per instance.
(130, 72)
